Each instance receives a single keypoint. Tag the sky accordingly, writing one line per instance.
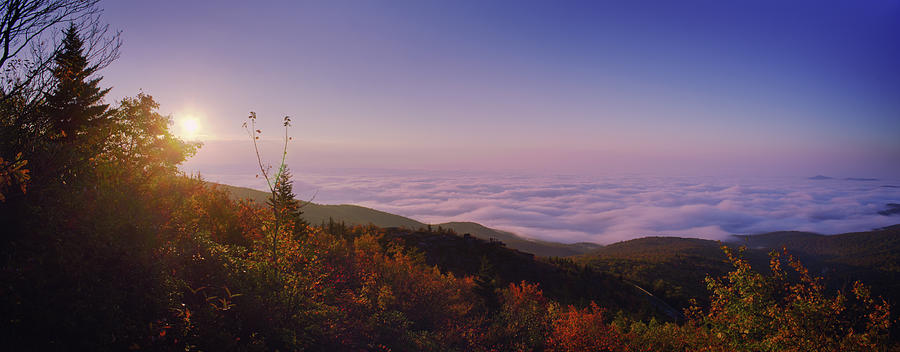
(569, 121)
(589, 88)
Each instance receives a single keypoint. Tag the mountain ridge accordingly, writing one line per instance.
(351, 214)
(674, 268)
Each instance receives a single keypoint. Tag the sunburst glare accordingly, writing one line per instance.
(189, 127)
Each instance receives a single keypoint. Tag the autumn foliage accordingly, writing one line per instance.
(584, 329)
(112, 248)
(789, 310)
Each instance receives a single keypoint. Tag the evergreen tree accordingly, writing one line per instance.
(74, 118)
(486, 285)
(288, 207)
(75, 105)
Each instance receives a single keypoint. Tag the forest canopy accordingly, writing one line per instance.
(106, 245)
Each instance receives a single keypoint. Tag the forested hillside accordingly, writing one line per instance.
(671, 268)
(107, 246)
(674, 269)
(872, 257)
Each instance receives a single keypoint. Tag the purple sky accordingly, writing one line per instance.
(698, 88)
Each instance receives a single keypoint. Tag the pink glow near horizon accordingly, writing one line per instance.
(606, 209)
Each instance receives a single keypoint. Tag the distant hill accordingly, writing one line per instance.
(674, 268)
(357, 215)
(773, 240)
(538, 247)
(659, 248)
(872, 257)
(870, 250)
(671, 268)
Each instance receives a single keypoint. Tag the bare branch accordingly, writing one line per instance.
(28, 42)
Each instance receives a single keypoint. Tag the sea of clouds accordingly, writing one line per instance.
(610, 208)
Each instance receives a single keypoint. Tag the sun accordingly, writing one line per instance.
(189, 127)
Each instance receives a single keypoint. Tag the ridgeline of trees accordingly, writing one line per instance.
(106, 246)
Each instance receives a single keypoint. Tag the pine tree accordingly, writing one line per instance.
(75, 105)
(486, 285)
(288, 207)
(74, 118)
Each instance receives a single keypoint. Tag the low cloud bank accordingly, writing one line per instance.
(608, 209)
